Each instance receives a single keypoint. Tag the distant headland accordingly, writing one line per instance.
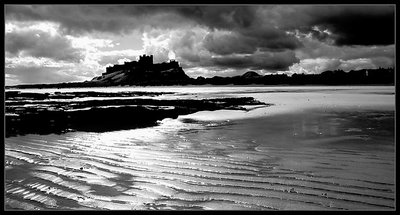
(145, 73)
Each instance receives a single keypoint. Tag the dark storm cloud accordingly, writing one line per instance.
(114, 18)
(363, 26)
(37, 43)
(79, 19)
(122, 19)
(268, 61)
(225, 44)
(221, 17)
(247, 42)
(249, 32)
(349, 25)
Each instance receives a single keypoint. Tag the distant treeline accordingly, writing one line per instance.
(380, 76)
(383, 76)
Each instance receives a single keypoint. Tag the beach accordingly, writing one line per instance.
(313, 148)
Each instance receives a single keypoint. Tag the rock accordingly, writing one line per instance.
(103, 115)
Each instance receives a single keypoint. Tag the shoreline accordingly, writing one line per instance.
(51, 108)
(303, 102)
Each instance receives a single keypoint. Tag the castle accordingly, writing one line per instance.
(145, 63)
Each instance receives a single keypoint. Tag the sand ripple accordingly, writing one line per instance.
(81, 170)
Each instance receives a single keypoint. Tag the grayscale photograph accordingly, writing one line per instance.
(225, 107)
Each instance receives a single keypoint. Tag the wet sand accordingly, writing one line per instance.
(313, 157)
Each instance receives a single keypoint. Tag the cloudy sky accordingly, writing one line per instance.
(63, 43)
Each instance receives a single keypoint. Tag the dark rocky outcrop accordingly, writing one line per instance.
(43, 114)
(15, 95)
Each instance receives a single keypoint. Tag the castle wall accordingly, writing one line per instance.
(144, 63)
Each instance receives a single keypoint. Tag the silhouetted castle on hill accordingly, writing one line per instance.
(145, 63)
(144, 72)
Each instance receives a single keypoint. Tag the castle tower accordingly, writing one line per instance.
(173, 63)
(146, 60)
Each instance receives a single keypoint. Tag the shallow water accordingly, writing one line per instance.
(317, 148)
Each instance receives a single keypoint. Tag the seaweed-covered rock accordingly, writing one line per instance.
(44, 114)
